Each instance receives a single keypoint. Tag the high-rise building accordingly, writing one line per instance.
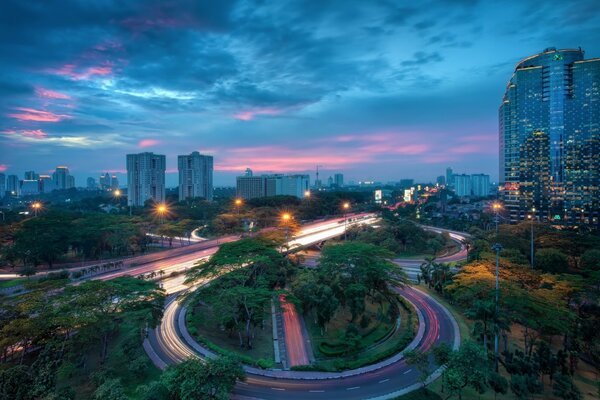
(449, 177)
(104, 181)
(30, 187)
(441, 180)
(62, 179)
(550, 138)
(145, 178)
(338, 180)
(462, 185)
(12, 185)
(46, 184)
(2, 185)
(31, 176)
(91, 183)
(114, 182)
(480, 185)
(249, 187)
(196, 176)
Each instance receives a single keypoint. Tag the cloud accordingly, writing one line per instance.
(35, 133)
(79, 73)
(51, 94)
(31, 114)
(144, 143)
(3, 167)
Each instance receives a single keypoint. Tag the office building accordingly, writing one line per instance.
(104, 181)
(195, 176)
(441, 180)
(2, 185)
(145, 178)
(462, 185)
(46, 184)
(449, 177)
(480, 185)
(114, 182)
(12, 185)
(91, 183)
(330, 182)
(62, 178)
(29, 187)
(550, 138)
(338, 180)
(31, 176)
(249, 187)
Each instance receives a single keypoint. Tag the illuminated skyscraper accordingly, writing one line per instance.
(145, 178)
(550, 138)
(62, 178)
(195, 176)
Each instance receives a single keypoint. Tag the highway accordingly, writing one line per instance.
(170, 343)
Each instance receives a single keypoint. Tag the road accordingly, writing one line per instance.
(297, 353)
(170, 343)
(389, 381)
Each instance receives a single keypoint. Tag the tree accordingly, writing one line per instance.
(111, 389)
(202, 380)
(468, 366)
(442, 354)
(484, 312)
(498, 383)
(15, 383)
(420, 360)
(551, 260)
(565, 389)
(590, 260)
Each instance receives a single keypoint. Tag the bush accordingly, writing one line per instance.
(264, 364)
(551, 260)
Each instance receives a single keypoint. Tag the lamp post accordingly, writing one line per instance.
(238, 204)
(286, 217)
(161, 210)
(496, 207)
(497, 247)
(531, 218)
(307, 194)
(345, 207)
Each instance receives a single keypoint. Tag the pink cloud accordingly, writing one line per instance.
(3, 167)
(253, 113)
(473, 148)
(71, 71)
(31, 114)
(36, 134)
(51, 94)
(148, 143)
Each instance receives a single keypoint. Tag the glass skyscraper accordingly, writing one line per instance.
(550, 139)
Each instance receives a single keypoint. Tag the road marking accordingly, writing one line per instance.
(352, 388)
(316, 391)
(242, 383)
(384, 380)
(408, 371)
(277, 388)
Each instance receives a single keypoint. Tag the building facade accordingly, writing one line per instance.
(62, 178)
(2, 185)
(549, 128)
(462, 185)
(249, 187)
(12, 185)
(145, 178)
(338, 180)
(480, 185)
(195, 176)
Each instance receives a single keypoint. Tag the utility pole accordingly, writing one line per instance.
(497, 247)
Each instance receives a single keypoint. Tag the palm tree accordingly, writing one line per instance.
(426, 269)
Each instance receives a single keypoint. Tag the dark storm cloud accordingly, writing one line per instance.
(180, 74)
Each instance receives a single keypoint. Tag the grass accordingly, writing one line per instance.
(11, 283)
(420, 394)
(368, 354)
(203, 326)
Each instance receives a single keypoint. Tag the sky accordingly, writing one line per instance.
(378, 90)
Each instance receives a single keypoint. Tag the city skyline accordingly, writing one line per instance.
(376, 91)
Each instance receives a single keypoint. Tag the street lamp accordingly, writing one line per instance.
(531, 218)
(498, 248)
(307, 194)
(345, 207)
(36, 206)
(496, 207)
(286, 217)
(238, 204)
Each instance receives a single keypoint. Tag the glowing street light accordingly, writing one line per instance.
(307, 194)
(496, 207)
(117, 193)
(36, 206)
(345, 207)
(286, 218)
(161, 210)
